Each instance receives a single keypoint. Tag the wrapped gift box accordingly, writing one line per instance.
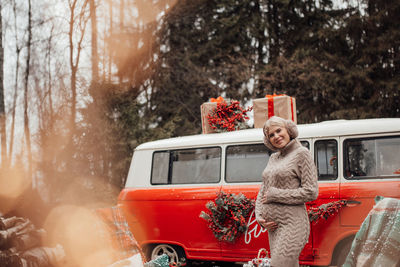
(207, 108)
(274, 105)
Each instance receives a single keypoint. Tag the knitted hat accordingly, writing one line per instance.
(277, 121)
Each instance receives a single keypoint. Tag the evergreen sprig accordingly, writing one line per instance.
(226, 216)
(228, 117)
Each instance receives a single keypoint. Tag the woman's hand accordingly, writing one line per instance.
(270, 226)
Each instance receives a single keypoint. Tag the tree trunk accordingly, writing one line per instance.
(80, 20)
(72, 66)
(14, 106)
(121, 28)
(121, 15)
(50, 78)
(27, 69)
(95, 56)
(2, 107)
(109, 40)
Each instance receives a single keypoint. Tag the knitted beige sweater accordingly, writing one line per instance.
(289, 180)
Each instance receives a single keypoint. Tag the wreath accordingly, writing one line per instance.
(228, 117)
(226, 216)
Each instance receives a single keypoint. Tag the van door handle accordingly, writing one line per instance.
(352, 203)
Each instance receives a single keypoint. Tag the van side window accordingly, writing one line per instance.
(186, 166)
(326, 159)
(245, 163)
(306, 144)
(372, 157)
(159, 173)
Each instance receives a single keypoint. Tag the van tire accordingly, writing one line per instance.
(341, 251)
(175, 253)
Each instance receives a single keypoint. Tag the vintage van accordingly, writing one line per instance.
(170, 181)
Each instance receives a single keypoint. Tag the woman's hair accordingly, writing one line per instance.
(277, 121)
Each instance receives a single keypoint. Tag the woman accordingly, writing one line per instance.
(289, 180)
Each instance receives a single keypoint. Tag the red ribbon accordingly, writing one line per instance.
(291, 107)
(219, 99)
(271, 105)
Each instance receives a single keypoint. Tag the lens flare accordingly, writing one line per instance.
(13, 183)
(84, 236)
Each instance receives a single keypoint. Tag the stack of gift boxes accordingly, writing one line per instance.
(263, 108)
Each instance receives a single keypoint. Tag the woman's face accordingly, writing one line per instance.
(278, 136)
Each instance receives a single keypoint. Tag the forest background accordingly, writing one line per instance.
(83, 82)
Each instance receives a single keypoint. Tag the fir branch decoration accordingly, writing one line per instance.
(228, 117)
(328, 209)
(226, 216)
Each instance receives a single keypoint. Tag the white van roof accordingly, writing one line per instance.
(321, 129)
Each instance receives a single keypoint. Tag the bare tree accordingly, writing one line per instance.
(110, 3)
(18, 48)
(77, 25)
(95, 56)
(49, 75)
(122, 15)
(27, 133)
(2, 106)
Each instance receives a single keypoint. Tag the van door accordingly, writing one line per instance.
(244, 164)
(243, 173)
(371, 168)
(324, 231)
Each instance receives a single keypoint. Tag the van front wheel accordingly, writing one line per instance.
(174, 253)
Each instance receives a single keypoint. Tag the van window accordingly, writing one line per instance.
(306, 144)
(159, 174)
(326, 159)
(245, 163)
(186, 166)
(372, 157)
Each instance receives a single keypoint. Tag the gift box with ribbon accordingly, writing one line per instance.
(206, 108)
(260, 261)
(274, 105)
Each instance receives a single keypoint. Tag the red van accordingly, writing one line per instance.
(170, 181)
